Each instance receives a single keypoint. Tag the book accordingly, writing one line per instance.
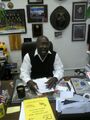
(38, 109)
(81, 86)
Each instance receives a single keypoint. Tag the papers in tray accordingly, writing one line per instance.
(41, 82)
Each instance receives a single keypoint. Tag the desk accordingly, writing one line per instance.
(15, 116)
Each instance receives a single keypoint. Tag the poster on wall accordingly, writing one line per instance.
(37, 13)
(12, 21)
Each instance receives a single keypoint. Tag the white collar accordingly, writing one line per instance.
(36, 53)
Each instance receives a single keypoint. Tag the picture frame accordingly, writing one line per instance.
(5, 0)
(37, 30)
(35, 1)
(79, 11)
(78, 32)
(12, 21)
(37, 13)
(27, 40)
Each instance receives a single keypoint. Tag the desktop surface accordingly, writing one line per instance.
(59, 116)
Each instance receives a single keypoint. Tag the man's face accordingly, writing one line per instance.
(43, 46)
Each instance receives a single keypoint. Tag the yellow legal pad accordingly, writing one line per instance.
(38, 109)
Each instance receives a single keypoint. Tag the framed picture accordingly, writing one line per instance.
(37, 13)
(35, 1)
(37, 30)
(78, 32)
(79, 11)
(5, 0)
(27, 40)
(12, 21)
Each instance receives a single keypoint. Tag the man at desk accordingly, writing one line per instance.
(42, 63)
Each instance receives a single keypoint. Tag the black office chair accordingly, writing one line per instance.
(29, 47)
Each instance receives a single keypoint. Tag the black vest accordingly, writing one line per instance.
(41, 69)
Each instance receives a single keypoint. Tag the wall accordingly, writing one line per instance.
(73, 54)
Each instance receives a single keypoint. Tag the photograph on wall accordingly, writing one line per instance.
(5, 0)
(79, 11)
(37, 30)
(35, 1)
(12, 21)
(78, 32)
(37, 13)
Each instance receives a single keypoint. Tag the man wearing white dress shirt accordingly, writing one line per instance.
(42, 63)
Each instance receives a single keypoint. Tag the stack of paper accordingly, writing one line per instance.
(74, 105)
(42, 88)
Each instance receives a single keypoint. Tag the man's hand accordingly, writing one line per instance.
(33, 86)
(2, 99)
(51, 83)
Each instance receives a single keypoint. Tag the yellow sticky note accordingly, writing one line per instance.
(38, 109)
(13, 109)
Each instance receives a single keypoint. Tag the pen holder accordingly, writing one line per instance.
(21, 91)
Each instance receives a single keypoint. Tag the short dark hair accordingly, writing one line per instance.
(40, 37)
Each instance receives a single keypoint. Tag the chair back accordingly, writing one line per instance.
(29, 47)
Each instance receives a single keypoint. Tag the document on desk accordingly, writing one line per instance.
(22, 113)
(74, 105)
(81, 86)
(36, 109)
(42, 88)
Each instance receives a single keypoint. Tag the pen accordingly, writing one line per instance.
(68, 86)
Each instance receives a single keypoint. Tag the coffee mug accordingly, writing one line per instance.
(21, 91)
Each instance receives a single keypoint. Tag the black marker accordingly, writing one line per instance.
(68, 86)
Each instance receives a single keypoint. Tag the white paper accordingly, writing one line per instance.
(66, 95)
(61, 88)
(22, 113)
(42, 85)
(79, 98)
(58, 101)
(81, 105)
(77, 107)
